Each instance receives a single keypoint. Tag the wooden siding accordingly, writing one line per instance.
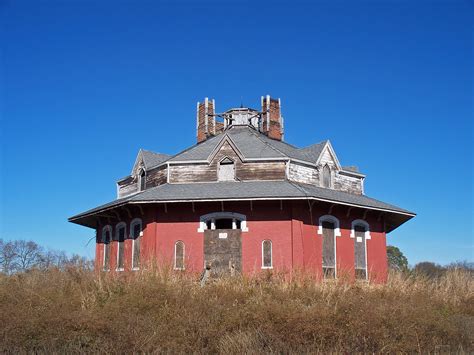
(157, 176)
(348, 183)
(154, 177)
(127, 187)
(327, 158)
(304, 174)
(243, 171)
(309, 175)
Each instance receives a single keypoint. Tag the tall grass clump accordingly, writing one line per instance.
(76, 311)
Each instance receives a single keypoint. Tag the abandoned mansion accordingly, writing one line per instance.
(243, 200)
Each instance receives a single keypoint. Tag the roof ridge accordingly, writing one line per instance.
(314, 144)
(257, 134)
(150, 151)
(196, 145)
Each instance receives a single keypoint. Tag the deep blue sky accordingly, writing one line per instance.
(85, 84)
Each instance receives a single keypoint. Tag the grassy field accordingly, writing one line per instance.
(158, 311)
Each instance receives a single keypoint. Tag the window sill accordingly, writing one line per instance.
(179, 269)
(135, 268)
(120, 269)
(267, 267)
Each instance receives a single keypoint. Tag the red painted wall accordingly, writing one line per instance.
(291, 226)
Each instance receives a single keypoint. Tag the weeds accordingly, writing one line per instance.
(76, 311)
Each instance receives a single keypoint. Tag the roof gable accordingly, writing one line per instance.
(223, 147)
(328, 156)
(148, 160)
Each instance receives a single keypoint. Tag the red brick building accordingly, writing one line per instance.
(243, 200)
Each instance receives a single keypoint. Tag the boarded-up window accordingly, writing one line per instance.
(329, 250)
(226, 171)
(326, 176)
(360, 252)
(267, 257)
(142, 180)
(106, 241)
(179, 255)
(121, 245)
(136, 228)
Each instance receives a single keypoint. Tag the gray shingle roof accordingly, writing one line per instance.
(152, 159)
(247, 190)
(253, 145)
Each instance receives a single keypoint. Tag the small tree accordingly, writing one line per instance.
(7, 257)
(28, 255)
(396, 259)
(429, 269)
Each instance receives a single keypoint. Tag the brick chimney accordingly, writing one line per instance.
(205, 120)
(272, 122)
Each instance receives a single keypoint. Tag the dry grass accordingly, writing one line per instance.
(75, 311)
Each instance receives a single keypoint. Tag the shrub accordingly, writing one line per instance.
(76, 311)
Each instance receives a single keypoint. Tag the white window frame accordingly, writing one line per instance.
(184, 255)
(271, 254)
(117, 228)
(104, 230)
(361, 222)
(337, 233)
(221, 215)
(134, 222)
(332, 219)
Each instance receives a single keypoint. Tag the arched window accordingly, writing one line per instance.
(106, 239)
(361, 233)
(179, 255)
(267, 254)
(226, 170)
(329, 229)
(136, 234)
(223, 220)
(120, 237)
(326, 176)
(141, 180)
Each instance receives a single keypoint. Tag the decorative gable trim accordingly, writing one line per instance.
(328, 146)
(226, 160)
(225, 139)
(139, 163)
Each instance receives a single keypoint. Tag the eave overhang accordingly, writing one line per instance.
(393, 216)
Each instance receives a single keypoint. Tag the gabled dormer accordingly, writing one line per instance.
(149, 170)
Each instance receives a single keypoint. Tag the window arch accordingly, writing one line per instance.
(106, 239)
(179, 250)
(326, 176)
(362, 223)
(329, 218)
(223, 220)
(120, 232)
(329, 229)
(360, 232)
(136, 234)
(267, 254)
(226, 170)
(141, 180)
